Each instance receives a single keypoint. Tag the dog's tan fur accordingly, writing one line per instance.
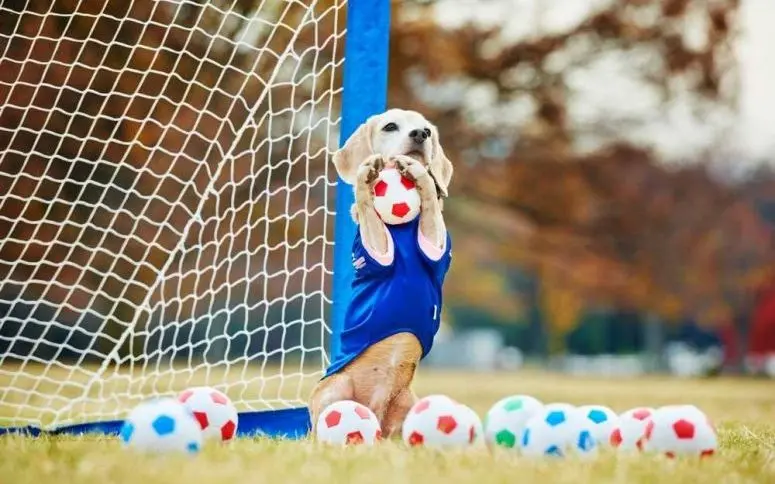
(381, 377)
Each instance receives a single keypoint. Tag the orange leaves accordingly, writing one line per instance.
(617, 228)
(562, 306)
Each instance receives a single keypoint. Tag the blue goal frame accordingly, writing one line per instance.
(364, 94)
(365, 79)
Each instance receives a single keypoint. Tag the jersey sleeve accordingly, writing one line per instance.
(368, 262)
(437, 258)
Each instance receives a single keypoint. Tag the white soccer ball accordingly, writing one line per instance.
(348, 423)
(602, 420)
(396, 198)
(438, 421)
(506, 420)
(557, 430)
(628, 435)
(216, 414)
(161, 426)
(681, 430)
(477, 425)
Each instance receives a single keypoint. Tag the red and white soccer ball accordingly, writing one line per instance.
(214, 411)
(437, 421)
(629, 432)
(396, 199)
(348, 423)
(680, 430)
(476, 422)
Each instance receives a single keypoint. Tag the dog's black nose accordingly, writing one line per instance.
(418, 135)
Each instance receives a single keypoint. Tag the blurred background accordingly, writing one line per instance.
(613, 205)
(612, 209)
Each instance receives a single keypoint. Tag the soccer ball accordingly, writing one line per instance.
(477, 424)
(396, 198)
(680, 430)
(440, 397)
(602, 421)
(348, 423)
(628, 433)
(161, 426)
(438, 421)
(557, 430)
(215, 413)
(506, 420)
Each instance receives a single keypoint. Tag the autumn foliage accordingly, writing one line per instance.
(611, 226)
(106, 108)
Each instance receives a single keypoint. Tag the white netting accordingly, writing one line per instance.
(164, 201)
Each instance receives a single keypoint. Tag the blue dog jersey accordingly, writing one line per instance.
(404, 296)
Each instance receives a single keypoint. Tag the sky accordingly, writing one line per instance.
(757, 56)
(606, 89)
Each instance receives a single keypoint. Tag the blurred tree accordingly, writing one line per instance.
(578, 197)
(113, 126)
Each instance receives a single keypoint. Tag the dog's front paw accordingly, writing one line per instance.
(410, 168)
(369, 169)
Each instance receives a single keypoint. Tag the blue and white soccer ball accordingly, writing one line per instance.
(161, 426)
(558, 430)
(602, 420)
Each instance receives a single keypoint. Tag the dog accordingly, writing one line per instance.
(394, 311)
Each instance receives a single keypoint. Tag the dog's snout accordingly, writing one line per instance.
(418, 135)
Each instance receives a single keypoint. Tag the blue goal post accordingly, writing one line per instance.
(363, 94)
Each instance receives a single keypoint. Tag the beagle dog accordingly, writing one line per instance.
(395, 308)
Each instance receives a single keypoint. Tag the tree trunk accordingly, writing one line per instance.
(539, 336)
(742, 325)
(654, 338)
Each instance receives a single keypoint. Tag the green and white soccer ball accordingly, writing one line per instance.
(505, 421)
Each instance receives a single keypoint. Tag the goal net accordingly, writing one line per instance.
(166, 215)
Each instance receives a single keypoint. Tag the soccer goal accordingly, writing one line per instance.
(167, 202)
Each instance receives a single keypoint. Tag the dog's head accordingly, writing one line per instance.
(395, 132)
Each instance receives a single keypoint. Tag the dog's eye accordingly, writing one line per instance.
(390, 127)
(427, 132)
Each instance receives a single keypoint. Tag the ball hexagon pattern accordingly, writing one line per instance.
(683, 429)
(396, 198)
(602, 421)
(505, 421)
(348, 423)
(680, 430)
(446, 424)
(477, 428)
(555, 418)
(161, 426)
(333, 418)
(556, 431)
(628, 433)
(506, 438)
(437, 421)
(380, 188)
(216, 415)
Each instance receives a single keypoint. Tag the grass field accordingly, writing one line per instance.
(744, 410)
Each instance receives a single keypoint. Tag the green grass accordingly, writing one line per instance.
(744, 411)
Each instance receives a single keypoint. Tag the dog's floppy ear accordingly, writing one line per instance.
(439, 166)
(355, 150)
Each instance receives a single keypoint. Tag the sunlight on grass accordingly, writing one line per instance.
(742, 409)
